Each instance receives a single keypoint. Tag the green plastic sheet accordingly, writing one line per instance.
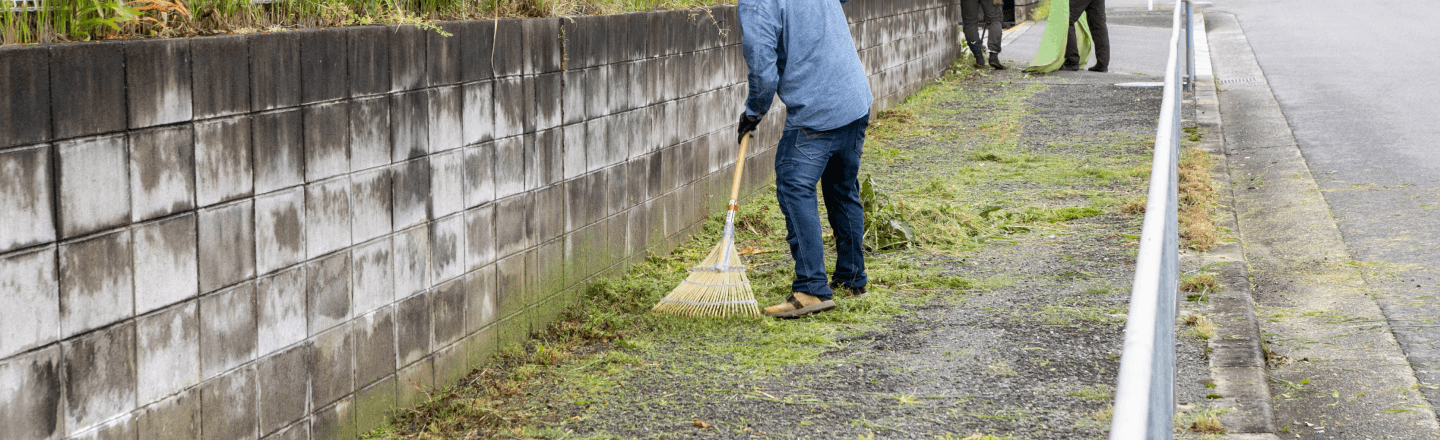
(1051, 54)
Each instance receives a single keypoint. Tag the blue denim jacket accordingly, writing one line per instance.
(802, 49)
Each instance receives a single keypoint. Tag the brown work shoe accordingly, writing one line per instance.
(799, 304)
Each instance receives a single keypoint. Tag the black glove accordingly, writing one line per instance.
(747, 125)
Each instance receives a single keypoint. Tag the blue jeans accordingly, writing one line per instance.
(832, 158)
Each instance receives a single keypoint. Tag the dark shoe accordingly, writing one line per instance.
(995, 61)
(978, 52)
(799, 304)
(1072, 68)
(1099, 68)
(854, 291)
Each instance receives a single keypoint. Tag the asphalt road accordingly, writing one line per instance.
(1356, 84)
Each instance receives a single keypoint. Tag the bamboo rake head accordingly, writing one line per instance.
(717, 287)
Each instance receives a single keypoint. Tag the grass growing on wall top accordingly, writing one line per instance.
(55, 21)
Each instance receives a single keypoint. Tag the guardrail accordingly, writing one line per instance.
(1145, 390)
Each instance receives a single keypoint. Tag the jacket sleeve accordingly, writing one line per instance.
(761, 27)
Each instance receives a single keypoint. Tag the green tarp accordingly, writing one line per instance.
(1052, 46)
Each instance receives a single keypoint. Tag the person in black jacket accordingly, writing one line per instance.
(1094, 11)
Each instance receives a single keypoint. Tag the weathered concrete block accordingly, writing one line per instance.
(445, 126)
(279, 153)
(477, 112)
(638, 36)
(617, 39)
(280, 310)
(622, 76)
(122, 428)
(374, 284)
(99, 377)
(447, 183)
(167, 351)
(157, 81)
(549, 213)
(327, 140)
(407, 57)
(228, 332)
(655, 182)
(549, 92)
(96, 283)
(542, 41)
(510, 52)
(415, 380)
(227, 245)
(284, 383)
(370, 207)
(412, 329)
(222, 161)
(636, 125)
(33, 405)
(274, 70)
(336, 422)
(327, 293)
(165, 263)
(279, 230)
(327, 216)
(447, 246)
(476, 42)
(544, 160)
(331, 373)
(479, 236)
(509, 166)
(177, 416)
(442, 57)
(480, 306)
(369, 133)
(479, 174)
(447, 313)
(451, 364)
(573, 97)
(637, 177)
(323, 63)
(409, 125)
(87, 89)
(374, 403)
(582, 50)
(369, 59)
(162, 171)
(25, 198)
(32, 318)
(94, 185)
(548, 269)
(597, 137)
(510, 286)
(512, 107)
(660, 41)
(512, 224)
(618, 196)
(410, 198)
(596, 85)
(228, 406)
(374, 346)
(412, 261)
(25, 114)
(573, 151)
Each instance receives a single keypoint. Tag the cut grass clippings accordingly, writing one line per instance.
(998, 191)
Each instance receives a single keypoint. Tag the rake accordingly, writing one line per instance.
(718, 286)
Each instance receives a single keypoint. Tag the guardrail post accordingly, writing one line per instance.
(1189, 46)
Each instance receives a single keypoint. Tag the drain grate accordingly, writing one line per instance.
(1240, 80)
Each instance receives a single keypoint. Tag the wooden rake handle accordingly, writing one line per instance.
(739, 169)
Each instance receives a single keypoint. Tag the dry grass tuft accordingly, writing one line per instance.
(1203, 283)
(1197, 195)
(1198, 326)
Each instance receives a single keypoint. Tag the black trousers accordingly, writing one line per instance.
(1094, 11)
(976, 13)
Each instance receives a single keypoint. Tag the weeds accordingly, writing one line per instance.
(52, 21)
(1197, 195)
(1198, 326)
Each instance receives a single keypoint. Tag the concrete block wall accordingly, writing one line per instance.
(286, 235)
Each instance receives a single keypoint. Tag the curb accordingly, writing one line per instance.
(1237, 361)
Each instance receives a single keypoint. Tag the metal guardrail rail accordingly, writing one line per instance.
(1145, 390)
